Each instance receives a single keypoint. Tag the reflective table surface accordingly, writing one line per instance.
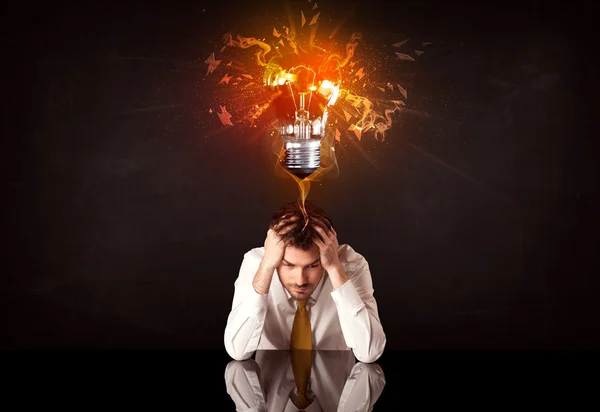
(209, 380)
(274, 381)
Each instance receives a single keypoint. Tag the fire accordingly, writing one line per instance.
(325, 86)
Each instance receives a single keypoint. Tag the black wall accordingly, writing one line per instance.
(131, 207)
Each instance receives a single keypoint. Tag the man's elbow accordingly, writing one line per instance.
(237, 355)
(369, 357)
(372, 354)
(240, 356)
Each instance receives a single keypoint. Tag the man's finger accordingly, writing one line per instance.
(324, 223)
(318, 242)
(288, 228)
(283, 222)
(323, 232)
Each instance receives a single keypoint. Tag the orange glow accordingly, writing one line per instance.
(341, 76)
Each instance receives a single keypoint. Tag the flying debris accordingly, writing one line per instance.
(315, 6)
(337, 135)
(425, 44)
(419, 52)
(225, 117)
(348, 115)
(226, 79)
(212, 63)
(314, 19)
(402, 56)
(303, 18)
(402, 90)
(275, 32)
(381, 88)
(247, 76)
(390, 86)
(400, 43)
(360, 73)
(357, 131)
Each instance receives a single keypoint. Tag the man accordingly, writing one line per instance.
(302, 290)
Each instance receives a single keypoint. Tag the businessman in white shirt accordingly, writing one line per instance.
(302, 290)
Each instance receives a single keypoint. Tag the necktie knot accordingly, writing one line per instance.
(302, 304)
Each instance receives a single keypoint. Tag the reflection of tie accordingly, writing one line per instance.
(301, 364)
(301, 333)
(301, 353)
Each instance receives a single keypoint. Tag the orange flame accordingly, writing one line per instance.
(368, 115)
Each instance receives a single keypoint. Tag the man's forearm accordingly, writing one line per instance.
(244, 325)
(262, 279)
(361, 326)
(358, 315)
(338, 276)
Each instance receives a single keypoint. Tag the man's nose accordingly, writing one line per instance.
(301, 277)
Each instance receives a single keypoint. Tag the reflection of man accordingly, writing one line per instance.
(320, 299)
(336, 383)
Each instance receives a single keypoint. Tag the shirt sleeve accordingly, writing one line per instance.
(357, 311)
(248, 311)
(363, 388)
(244, 387)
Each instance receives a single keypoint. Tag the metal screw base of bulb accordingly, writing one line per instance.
(302, 158)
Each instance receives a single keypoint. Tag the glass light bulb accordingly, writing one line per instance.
(301, 104)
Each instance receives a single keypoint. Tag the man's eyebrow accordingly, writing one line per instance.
(316, 261)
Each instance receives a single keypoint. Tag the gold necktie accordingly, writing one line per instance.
(301, 332)
(301, 353)
(301, 365)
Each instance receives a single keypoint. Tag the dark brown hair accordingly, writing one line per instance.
(301, 235)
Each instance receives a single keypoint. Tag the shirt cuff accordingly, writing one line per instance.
(346, 298)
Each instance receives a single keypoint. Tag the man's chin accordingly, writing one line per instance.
(299, 294)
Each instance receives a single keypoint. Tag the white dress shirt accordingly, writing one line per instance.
(337, 383)
(341, 319)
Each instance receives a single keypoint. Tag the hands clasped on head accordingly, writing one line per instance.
(319, 231)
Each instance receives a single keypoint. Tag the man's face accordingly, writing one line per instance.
(300, 271)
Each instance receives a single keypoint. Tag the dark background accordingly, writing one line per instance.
(128, 215)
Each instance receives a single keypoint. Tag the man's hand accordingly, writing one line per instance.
(274, 245)
(328, 245)
(274, 252)
(330, 259)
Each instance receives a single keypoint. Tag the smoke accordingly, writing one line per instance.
(247, 42)
(368, 117)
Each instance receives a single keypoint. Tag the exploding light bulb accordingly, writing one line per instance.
(303, 95)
